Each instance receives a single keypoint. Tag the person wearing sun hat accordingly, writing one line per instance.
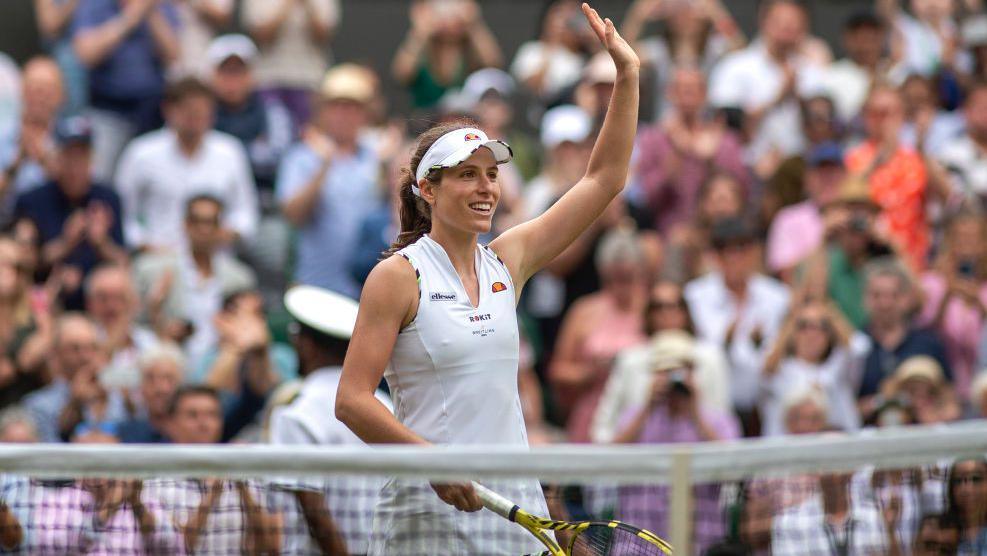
(327, 184)
(921, 383)
(321, 329)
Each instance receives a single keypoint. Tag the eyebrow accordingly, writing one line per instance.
(476, 167)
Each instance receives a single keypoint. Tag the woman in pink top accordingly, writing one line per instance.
(956, 294)
(596, 328)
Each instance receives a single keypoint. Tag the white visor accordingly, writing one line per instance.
(456, 146)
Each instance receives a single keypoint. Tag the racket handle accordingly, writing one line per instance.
(495, 502)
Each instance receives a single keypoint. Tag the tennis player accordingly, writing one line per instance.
(439, 320)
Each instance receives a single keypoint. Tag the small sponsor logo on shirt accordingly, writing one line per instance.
(443, 296)
(498, 287)
(480, 318)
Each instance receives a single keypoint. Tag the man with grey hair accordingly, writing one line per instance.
(76, 395)
(162, 371)
(889, 299)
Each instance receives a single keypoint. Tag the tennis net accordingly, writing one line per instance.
(780, 496)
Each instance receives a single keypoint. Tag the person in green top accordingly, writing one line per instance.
(447, 40)
(853, 238)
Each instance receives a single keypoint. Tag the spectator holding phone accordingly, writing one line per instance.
(956, 294)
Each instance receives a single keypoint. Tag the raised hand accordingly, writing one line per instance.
(623, 55)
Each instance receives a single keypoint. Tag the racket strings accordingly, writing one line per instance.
(604, 540)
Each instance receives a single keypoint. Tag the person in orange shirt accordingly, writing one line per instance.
(896, 173)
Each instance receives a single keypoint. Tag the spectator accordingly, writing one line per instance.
(967, 503)
(27, 155)
(671, 331)
(596, 328)
(262, 125)
(938, 534)
(55, 27)
(191, 283)
(25, 328)
(786, 185)
(963, 157)
(836, 270)
(161, 170)
(767, 78)
(833, 517)
(327, 183)
(552, 64)
(78, 222)
(955, 293)
(896, 173)
(162, 370)
(816, 349)
(198, 23)
(673, 413)
(492, 93)
(75, 395)
(849, 79)
(736, 307)
(216, 515)
(111, 301)
(294, 39)
(978, 396)
(447, 40)
(693, 34)
(920, 384)
(921, 38)
(806, 411)
(927, 125)
(324, 323)
(677, 156)
(127, 48)
(797, 231)
(974, 35)
(564, 134)
(889, 298)
(690, 255)
(17, 427)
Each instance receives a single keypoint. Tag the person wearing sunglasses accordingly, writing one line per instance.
(815, 349)
(967, 502)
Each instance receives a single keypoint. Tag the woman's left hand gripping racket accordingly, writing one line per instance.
(589, 538)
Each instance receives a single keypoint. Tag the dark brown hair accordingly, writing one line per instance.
(416, 214)
(185, 87)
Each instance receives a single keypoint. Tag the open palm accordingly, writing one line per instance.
(623, 55)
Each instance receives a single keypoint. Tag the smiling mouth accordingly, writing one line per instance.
(481, 208)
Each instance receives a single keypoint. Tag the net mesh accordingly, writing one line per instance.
(821, 495)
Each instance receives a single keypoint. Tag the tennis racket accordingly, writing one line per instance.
(589, 538)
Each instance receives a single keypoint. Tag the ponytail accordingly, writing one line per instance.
(415, 213)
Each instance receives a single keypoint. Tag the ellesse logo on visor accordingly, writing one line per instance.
(471, 137)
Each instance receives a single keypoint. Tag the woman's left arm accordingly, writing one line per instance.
(530, 246)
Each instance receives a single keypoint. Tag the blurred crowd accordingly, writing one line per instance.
(801, 246)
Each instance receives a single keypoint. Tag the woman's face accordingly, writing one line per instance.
(805, 418)
(666, 308)
(969, 485)
(722, 200)
(467, 196)
(11, 283)
(813, 331)
(920, 392)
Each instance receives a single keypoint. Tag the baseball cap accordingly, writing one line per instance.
(565, 123)
(481, 82)
(74, 130)
(672, 349)
(224, 47)
(600, 69)
(974, 31)
(456, 146)
(829, 152)
(348, 82)
(328, 312)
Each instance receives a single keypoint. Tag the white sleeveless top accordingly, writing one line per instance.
(453, 380)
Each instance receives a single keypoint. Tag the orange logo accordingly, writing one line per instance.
(498, 287)
(472, 137)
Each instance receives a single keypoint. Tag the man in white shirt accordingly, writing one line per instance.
(965, 157)
(161, 170)
(739, 309)
(324, 512)
(767, 78)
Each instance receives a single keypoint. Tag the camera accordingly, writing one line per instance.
(677, 382)
(859, 223)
